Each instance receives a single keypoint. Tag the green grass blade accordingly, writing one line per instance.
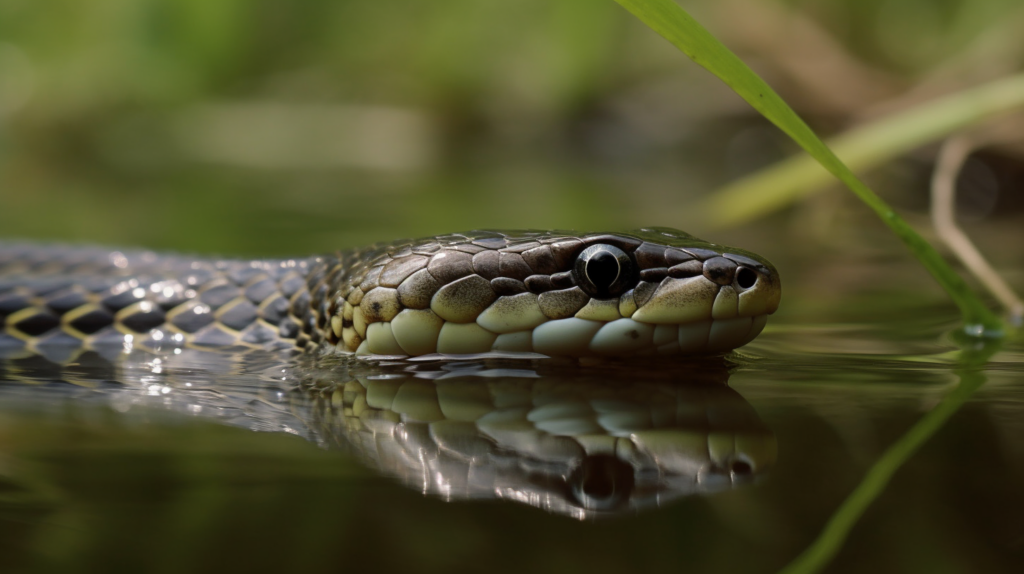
(832, 537)
(862, 148)
(675, 25)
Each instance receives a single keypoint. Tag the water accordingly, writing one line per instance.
(166, 461)
(229, 475)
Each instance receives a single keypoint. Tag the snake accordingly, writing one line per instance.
(652, 291)
(180, 332)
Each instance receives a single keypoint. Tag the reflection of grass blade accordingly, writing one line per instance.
(672, 22)
(831, 539)
(862, 148)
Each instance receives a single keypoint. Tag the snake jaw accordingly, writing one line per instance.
(708, 316)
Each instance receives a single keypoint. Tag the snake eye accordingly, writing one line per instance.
(604, 271)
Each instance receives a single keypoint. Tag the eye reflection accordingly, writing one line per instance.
(602, 482)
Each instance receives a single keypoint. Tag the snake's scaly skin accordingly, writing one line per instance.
(456, 294)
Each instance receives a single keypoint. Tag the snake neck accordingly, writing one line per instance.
(55, 299)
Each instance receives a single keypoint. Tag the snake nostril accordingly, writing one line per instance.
(746, 278)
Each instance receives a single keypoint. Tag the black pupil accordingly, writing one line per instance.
(746, 278)
(603, 269)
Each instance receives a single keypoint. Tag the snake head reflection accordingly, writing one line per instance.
(569, 443)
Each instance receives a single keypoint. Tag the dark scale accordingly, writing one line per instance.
(122, 299)
(239, 315)
(38, 323)
(539, 283)
(192, 318)
(218, 295)
(274, 309)
(261, 290)
(66, 301)
(244, 275)
(300, 304)
(214, 336)
(259, 335)
(291, 284)
(10, 304)
(289, 329)
(50, 286)
(143, 320)
(93, 321)
(309, 308)
(171, 295)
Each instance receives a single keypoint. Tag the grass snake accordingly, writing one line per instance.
(646, 292)
(206, 336)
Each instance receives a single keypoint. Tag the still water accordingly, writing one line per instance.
(147, 459)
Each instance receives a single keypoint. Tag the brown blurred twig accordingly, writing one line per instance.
(952, 156)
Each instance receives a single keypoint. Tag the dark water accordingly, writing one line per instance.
(211, 462)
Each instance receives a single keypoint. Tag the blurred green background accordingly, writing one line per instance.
(265, 127)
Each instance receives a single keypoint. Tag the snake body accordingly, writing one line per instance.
(554, 293)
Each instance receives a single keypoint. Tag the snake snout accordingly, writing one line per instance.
(718, 304)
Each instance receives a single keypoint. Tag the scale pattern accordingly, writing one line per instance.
(54, 298)
(455, 294)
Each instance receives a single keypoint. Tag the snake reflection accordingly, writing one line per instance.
(378, 351)
(580, 441)
(581, 445)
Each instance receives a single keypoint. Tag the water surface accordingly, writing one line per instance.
(165, 461)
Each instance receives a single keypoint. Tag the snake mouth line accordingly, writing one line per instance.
(572, 337)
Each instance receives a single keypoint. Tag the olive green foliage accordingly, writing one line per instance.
(154, 52)
(94, 154)
(94, 98)
(863, 148)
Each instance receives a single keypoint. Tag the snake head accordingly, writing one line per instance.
(648, 291)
